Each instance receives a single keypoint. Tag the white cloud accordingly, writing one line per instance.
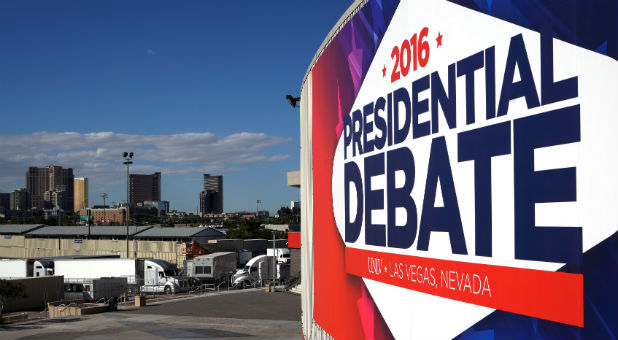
(98, 155)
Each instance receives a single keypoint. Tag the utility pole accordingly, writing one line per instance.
(104, 196)
(88, 221)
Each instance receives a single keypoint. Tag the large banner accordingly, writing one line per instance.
(465, 183)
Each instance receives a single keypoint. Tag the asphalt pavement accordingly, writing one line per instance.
(252, 304)
(250, 314)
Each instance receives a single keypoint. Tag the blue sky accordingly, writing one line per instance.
(191, 87)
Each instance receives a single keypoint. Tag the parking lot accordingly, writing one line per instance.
(235, 314)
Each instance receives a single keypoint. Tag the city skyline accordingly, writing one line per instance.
(180, 85)
(212, 184)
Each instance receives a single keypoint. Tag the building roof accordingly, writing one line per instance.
(117, 230)
(83, 231)
(59, 231)
(18, 229)
(180, 232)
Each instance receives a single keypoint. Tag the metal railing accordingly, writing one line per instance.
(293, 281)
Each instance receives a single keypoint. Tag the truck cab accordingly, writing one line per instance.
(42, 268)
(161, 277)
(255, 271)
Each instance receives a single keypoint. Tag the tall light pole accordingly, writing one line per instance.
(274, 269)
(127, 157)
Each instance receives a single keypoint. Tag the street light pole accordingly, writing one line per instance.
(274, 262)
(127, 156)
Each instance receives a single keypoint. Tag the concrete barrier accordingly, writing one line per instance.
(60, 309)
(14, 317)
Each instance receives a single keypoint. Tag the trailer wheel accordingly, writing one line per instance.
(167, 290)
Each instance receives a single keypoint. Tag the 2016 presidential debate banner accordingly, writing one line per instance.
(465, 178)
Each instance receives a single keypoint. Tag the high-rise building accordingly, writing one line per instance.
(5, 201)
(80, 193)
(36, 184)
(20, 199)
(144, 188)
(211, 198)
(40, 180)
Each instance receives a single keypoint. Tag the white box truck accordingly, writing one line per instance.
(18, 268)
(215, 267)
(149, 274)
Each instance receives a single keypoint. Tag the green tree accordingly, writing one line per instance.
(9, 289)
(247, 229)
(288, 216)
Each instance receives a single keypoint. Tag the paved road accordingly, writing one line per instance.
(254, 304)
(237, 315)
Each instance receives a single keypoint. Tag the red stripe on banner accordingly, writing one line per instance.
(293, 240)
(554, 296)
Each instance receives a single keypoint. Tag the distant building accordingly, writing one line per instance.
(294, 204)
(163, 207)
(277, 227)
(5, 201)
(55, 199)
(19, 199)
(144, 188)
(211, 198)
(177, 214)
(55, 178)
(80, 193)
(105, 216)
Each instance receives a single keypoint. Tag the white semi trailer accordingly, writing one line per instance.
(18, 268)
(150, 275)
